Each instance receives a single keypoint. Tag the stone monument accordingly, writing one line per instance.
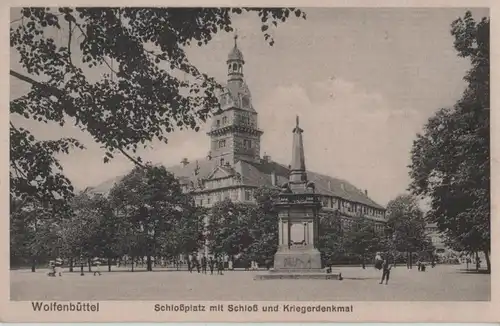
(298, 209)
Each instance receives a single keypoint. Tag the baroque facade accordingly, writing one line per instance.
(234, 167)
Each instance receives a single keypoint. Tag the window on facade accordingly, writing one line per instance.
(248, 195)
(235, 67)
(208, 200)
(222, 143)
(221, 162)
(224, 120)
(218, 123)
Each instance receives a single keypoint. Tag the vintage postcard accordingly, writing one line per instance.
(283, 162)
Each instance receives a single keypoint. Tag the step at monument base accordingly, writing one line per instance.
(298, 275)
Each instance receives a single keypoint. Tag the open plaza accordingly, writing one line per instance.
(442, 283)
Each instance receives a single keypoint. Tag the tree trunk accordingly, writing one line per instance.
(71, 265)
(488, 263)
(109, 264)
(33, 265)
(132, 261)
(90, 264)
(149, 264)
(477, 259)
(363, 261)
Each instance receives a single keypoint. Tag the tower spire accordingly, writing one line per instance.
(298, 166)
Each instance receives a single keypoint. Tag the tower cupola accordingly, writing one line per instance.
(235, 63)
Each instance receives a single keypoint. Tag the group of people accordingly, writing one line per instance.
(385, 264)
(56, 267)
(202, 264)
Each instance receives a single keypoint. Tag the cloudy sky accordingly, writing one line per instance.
(363, 82)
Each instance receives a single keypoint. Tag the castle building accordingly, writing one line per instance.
(234, 167)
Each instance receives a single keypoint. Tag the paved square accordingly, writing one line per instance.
(443, 283)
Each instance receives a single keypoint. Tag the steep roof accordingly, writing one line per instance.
(254, 175)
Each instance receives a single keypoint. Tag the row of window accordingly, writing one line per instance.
(247, 143)
(347, 223)
(233, 194)
(235, 68)
(242, 120)
(349, 207)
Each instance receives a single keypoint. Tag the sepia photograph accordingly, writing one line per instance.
(239, 154)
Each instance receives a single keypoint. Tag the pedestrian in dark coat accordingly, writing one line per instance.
(211, 263)
(204, 264)
(386, 271)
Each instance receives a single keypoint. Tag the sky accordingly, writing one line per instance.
(363, 82)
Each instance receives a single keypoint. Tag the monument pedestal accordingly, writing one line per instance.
(298, 264)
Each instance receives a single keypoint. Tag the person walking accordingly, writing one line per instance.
(211, 264)
(197, 264)
(190, 264)
(204, 264)
(386, 271)
(220, 266)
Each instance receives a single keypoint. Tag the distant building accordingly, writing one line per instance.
(234, 168)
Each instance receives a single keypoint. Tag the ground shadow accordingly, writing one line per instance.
(472, 271)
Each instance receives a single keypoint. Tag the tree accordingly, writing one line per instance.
(34, 233)
(264, 226)
(153, 203)
(331, 241)
(109, 228)
(450, 161)
(362, 240)
(35, 173)
(91, 229)
(188, 235)
(141, 95)
(228, 230)
(406, 224)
